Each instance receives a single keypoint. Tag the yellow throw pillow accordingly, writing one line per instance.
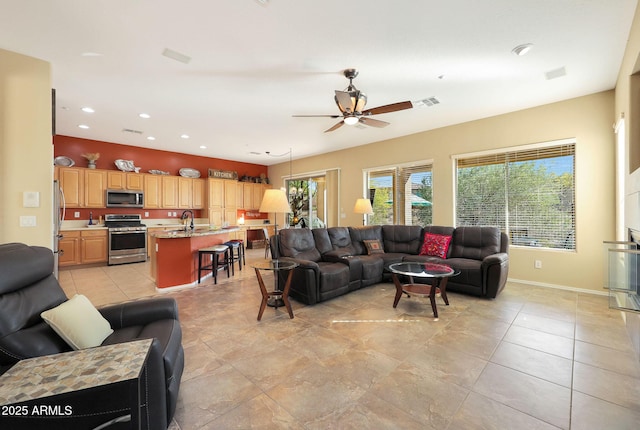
(78, 322)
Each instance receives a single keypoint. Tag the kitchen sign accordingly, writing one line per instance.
(223, 174)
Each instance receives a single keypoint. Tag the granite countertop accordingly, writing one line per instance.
(86, 227)
(179, 234)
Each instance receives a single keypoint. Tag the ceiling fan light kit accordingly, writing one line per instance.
(351, 102)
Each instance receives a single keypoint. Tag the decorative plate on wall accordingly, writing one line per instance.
(188, 172)
(63, 161)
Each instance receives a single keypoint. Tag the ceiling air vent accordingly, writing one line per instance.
(556, 73)
(130, 130)
(430, 101)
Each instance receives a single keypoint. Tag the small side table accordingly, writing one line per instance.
(88, 388)
(276, 266)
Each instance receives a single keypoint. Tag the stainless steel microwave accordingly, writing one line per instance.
(125, 199)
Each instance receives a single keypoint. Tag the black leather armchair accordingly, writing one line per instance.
(28, 287)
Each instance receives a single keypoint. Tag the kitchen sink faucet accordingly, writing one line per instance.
(185, 215)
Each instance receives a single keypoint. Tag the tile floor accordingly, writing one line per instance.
(534, 358)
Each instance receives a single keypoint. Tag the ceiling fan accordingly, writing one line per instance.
(351, 103)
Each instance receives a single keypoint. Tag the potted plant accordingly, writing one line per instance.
(91, 158)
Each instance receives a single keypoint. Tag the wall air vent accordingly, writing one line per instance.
(130, 130)
(430, 101)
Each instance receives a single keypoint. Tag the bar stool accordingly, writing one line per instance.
(216, 252)
(241, 252)
(235, 254)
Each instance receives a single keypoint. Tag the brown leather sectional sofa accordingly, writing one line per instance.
(334, 261)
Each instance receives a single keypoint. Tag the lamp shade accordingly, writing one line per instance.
(363, 206)
(275, 201)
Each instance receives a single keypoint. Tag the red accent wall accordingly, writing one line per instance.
(147, 159)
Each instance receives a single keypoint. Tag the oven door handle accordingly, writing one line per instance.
(128, 232)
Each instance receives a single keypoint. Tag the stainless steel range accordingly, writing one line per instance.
(127, 238)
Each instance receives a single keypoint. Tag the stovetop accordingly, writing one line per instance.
(124, 221)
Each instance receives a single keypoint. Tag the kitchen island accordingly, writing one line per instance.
(174, 254)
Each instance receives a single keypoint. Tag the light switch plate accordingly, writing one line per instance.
(27, 221)
(31, 199)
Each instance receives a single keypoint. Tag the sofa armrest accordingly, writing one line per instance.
(498, 258)
(302, 264)
(140, 312)
(495, 269)
(336, 256)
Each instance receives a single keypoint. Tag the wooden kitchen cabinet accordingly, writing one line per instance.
(116, 180)
(72, 184)
(198, 196)
(169, 192)
(152, 191)
(95, 185)
(83, 247)
(247, 195)
(69, 248)
(258, 193)
(223, 195)
(185, 190)
(135, 181)
(93, 246)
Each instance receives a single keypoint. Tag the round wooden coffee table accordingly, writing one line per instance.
(439, 273)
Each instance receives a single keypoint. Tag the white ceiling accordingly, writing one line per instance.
(253, 66)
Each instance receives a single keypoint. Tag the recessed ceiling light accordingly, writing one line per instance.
(203, 147)
(184, 136)
(87, 109)
(151, 138)
(144, 115)
(521, 50)
(83, 126)
(91, 54)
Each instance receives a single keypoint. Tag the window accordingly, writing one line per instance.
(401, 195)
(529, 193)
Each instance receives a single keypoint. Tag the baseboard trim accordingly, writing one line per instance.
(558, 287)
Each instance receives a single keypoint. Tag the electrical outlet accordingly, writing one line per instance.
(76, 214)
(537, 264)
(168, 213)
(146, 214)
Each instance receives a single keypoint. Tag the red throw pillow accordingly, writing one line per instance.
(435, 245)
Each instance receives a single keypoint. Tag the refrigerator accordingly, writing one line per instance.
(59, 209)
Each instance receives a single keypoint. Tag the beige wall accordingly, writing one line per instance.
(588, 119)
(631, 183)
(26, 150)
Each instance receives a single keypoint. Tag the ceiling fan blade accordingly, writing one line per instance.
(373, 122)
(317, 116)
(344, 102)
(394, 107)
(335, 127)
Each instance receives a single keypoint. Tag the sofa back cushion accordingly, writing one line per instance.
(321, 237)
(405, 239)
(475, 242)
(341, 239)
(27, 288)
(298, 243)
(359, 234)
